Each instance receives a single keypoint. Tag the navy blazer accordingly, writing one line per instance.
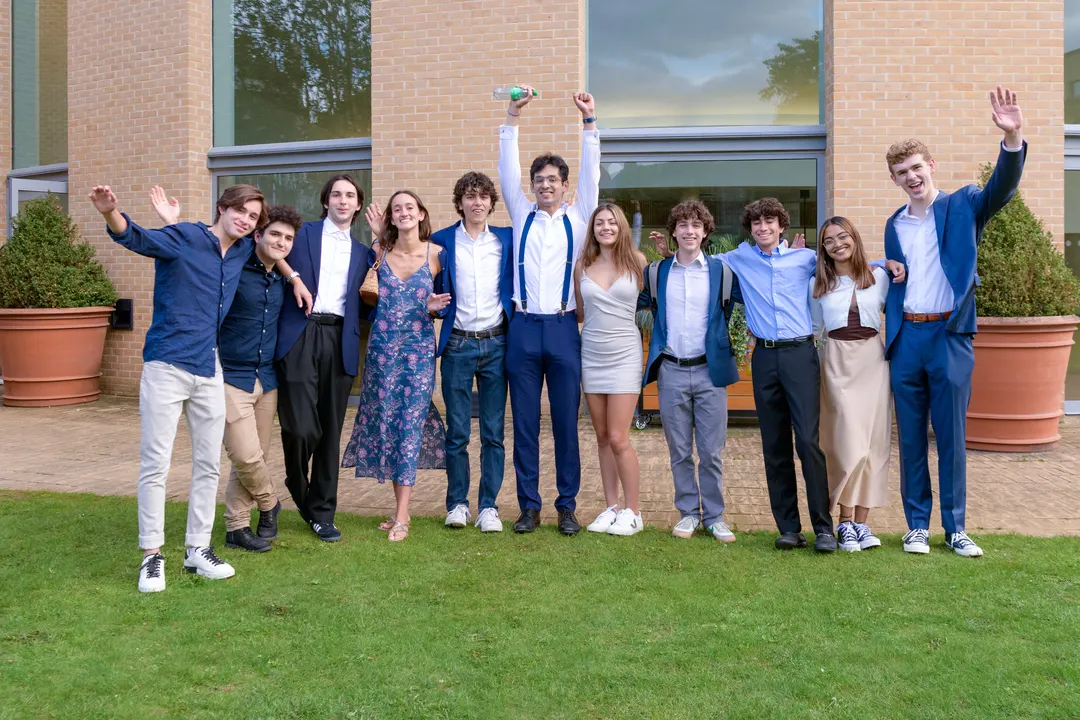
(960, 218)
(723, 370)
(447, 238)
(306, 259)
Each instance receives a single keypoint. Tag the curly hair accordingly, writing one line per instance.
(476, 182)
(691, 210)
(898, 152)
(765, 208)
(283, 213)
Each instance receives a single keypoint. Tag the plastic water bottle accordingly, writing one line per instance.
(510, 93)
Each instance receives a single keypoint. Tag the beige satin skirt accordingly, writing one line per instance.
(856, 421)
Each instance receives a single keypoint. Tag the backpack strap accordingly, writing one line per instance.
(654, 273)
(725, 289)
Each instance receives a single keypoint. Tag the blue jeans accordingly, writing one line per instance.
(463, 359)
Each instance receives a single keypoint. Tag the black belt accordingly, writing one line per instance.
(686, 362)
(783, 343)
(480, 334)
(326, 319)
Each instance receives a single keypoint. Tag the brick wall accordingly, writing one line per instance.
(139, 113)
(923, 69)
(431, 90)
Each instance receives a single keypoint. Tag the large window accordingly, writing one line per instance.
(1072, 62)
(647, 191)
(706, 62)
(38, 82)
(291, 70)
(301, 190)
(1072, 258)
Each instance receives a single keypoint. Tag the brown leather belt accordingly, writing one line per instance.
(927, 317)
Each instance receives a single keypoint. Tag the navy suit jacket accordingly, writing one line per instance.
(447, 238)
(960, 218)
(723, 370)
(306, 259)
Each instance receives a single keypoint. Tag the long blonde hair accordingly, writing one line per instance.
(826, 279)
(626, 260)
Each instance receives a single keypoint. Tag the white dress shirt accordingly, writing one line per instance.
(545, 249)
(830, 311)
(333, 270)
(687, 307)
(477, 269)
(928, 290)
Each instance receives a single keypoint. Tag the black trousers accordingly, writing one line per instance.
(787, 387)
(313, 396)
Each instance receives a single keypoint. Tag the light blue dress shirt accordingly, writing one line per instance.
(774, 289)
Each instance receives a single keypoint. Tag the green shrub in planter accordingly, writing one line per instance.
(45, 264)
(1022, 273)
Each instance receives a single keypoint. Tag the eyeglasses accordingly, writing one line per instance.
(831, 242)
(549, 180)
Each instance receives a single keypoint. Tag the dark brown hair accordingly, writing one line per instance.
(826, 279)
(626, 259)
(283, 213)
(691, 210)
(765, 208)
(476, 182)
(324, 196)
(542, 161)
(235, 197)
(390, 232)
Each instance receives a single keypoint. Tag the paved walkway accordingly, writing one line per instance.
(95, 448)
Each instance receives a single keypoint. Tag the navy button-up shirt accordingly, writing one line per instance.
(193, 290)
(249, 333)
(774, 289)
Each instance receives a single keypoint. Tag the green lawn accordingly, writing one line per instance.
(452, 624)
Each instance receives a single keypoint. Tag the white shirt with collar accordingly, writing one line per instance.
(928, 290)
(477, 269)
(333, 270)
(687, 307)
(545, 247)
(830, 311)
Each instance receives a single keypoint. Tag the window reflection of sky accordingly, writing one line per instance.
(696, 62)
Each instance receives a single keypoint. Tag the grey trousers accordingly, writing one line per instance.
(692, 407)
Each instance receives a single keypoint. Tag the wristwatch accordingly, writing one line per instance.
(291, 277)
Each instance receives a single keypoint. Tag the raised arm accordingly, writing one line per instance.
(517, 204)
(588, 184)
(1002, 184)
(167, 208)
(163, 244)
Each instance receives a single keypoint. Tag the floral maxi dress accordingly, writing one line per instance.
(398, 428)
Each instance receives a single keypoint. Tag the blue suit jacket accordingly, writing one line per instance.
(306, 259)
(721, 360)
(960, 218)
(447, 239)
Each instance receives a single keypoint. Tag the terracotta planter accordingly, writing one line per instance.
(1018, 386)
(52, 357)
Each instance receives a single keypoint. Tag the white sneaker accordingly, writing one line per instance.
(203, 561)
(722, 532)
(488, 520)
(917, 541)
(152, 573)
(867, 538)
(604, 520)
(962, 545)
(458, 517)
(847, 533)
(627, 522)
(686, 527)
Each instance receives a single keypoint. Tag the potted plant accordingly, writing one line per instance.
(55, 301)
(1027, 303)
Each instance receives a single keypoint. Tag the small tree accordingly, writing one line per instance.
(1022, 273)
(46, 265)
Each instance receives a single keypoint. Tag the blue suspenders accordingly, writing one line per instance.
(569, 262)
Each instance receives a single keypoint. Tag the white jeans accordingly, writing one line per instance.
(164, 391)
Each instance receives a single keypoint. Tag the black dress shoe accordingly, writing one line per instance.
(529, 521)
(268, 523)
(790, 541)
(246, 540)
(825, 542)
(327, 532)
(568, 524)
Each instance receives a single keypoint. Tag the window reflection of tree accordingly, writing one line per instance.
(793, 76)
(303, 70)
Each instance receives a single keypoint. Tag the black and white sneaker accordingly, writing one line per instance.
(848, 535)
(327, 532)
(917, 541)
(962, 545)
(867, 538)
(152, 573)
(203, 561)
